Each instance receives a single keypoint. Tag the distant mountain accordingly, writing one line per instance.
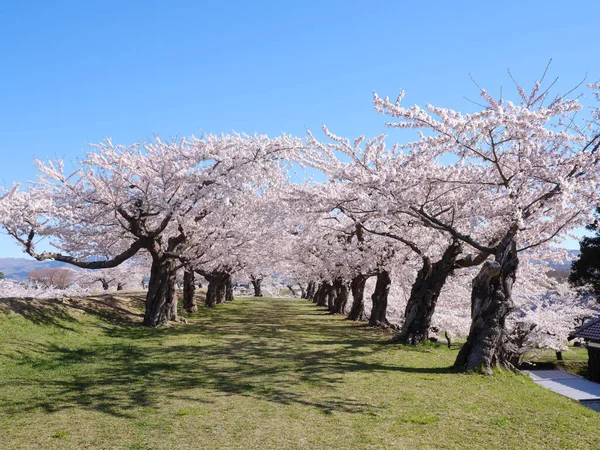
(572, 256)
(19, 268)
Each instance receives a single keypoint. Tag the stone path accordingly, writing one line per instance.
(570, 385)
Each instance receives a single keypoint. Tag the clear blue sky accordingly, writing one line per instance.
(76, 72)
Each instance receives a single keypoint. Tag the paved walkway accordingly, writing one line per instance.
(570, 385)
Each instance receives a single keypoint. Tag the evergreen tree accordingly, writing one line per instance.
(585, 272)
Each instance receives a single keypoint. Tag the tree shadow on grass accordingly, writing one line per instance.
(266, 351)
(58, 311)
(46, 312)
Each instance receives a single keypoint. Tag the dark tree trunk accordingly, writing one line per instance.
(229, 289)
(211, 292)
(105, 285)
(357, 312)
(161, 301)
(310, 290)
(424, 295)
(331, 294)
(491, 302)
(448, 339)
(189, 291)
(217, 288)
(321, 295)
(119, 286)
(341, 297)
(380, 299)
(302, 291)
(559, 356)
(221, 288)
(256, 283)
(291, 288)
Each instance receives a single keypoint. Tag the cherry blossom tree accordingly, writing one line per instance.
(382, 185)
(155, 197)
(532, 166)
(129, 275)
(341, 255)
(52, 277)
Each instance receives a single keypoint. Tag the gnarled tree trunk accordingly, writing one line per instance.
(424, 295)
(321, 295)
(215, 293)
(491, 302)
(357, 311)
(211, 293)
(189, 291)
(229, 289)
(341, 297)
(380, 299)
(331, 294)
(256, 283)
(302, 291)
(310, 290)
(161, 301)
(221, 288)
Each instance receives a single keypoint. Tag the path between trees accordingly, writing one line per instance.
(570, 385)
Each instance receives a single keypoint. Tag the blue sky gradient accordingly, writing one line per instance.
(74, 73)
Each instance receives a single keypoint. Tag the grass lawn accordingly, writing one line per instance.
(575, 360)
(258, 373)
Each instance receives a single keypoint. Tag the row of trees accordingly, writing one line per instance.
(474, 191)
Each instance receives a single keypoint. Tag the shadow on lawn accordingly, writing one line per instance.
(49, 312)
(264, 350)
(56, 312)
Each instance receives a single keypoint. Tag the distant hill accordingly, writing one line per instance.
(19, 268)
(573, 255)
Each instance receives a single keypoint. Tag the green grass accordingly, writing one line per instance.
(575, 360)
(258, 373)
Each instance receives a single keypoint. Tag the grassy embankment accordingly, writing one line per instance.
(258, 373)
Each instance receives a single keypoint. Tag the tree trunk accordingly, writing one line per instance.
(491, 302)
(424, 295)
(119, 286)
(292, 290)
(217, 288)
(321, 295)
(161, 301)
(211, 292)
(380, 299)
(357, 312)
(221, 288)
(559, 356)
(331, 295)
(256, 283)
(229, 289)
(105, 285)
(341, 297)
(310, 290)
(302, 291)
(448, 339)
(189, 291)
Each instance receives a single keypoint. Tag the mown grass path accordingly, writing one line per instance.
(259, 373)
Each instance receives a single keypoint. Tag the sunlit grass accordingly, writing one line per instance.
(259, 373)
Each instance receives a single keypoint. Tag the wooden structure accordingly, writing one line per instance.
(591, 333)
